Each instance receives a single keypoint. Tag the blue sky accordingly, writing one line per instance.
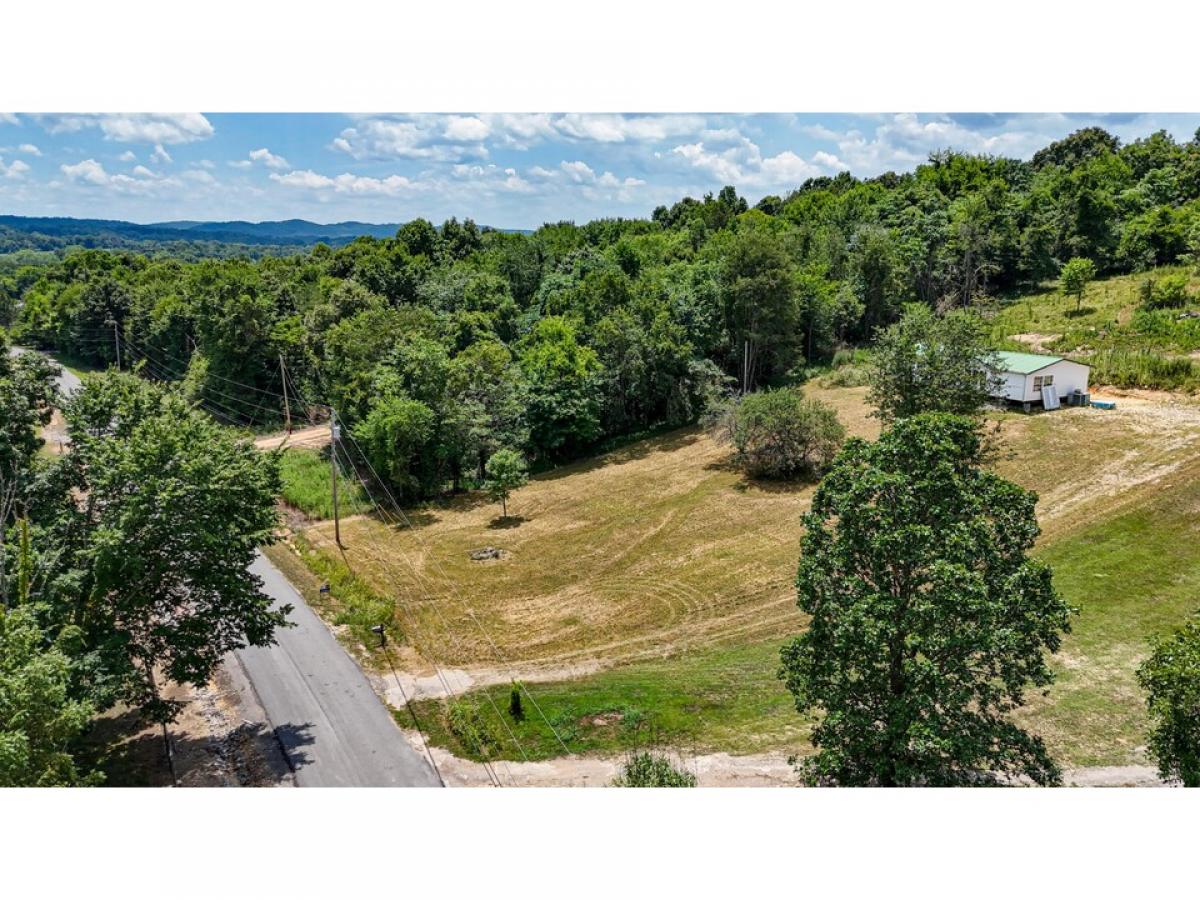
(506, 170)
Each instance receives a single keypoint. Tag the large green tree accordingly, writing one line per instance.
(564, 379)
(931, 363)
(175, 509)
(780, 433)
(27, 395)
(928, 617)
(1171, 679)
(39, 716)
(760, 306)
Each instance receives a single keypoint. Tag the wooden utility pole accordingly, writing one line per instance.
(334, 433)
(287, 409)
(117, 342)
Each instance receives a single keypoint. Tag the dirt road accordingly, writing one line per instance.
(313, 438)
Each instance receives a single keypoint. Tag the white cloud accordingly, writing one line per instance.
(905, 140)
(30, 149)
(265, 156)
(421, 137)
(346, 183)
(87, 170)
(9, 119)
(491, 177)
(731, 158)
(466, 128)
(199, 176)
(828, 160)
(15, 169)
(820, 132)
(128, 156)
(141, 181)
(578, 171)
(160, 155)
(520, 130)
(613, 128)
(149, 128)
(455, 138)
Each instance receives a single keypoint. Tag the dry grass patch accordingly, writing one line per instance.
(667, 577)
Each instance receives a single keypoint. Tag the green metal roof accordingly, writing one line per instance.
(1024, 363)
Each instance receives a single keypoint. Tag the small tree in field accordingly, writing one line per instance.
(1171, 679)
(1075, 277)
(506, 471)
(928, 616)
(516, 708)
(780, 434)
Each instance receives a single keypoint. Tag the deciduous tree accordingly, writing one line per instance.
(39, 718)
(927, 363)
(928, 617)
(506, 471)
(780, 433)
(1171, 680)
(176, 507)
(1075, 277)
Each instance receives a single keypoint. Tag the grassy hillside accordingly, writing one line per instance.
(665, 579)
(1127, 345)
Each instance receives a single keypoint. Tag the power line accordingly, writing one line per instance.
(399, 589)
(162, 371)
(417, 575)
(470, 612)
(186, 362)
(231, 416)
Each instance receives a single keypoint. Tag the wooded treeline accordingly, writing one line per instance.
(443, 344)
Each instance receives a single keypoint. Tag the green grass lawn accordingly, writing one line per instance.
(1133, 575)
(719, 699)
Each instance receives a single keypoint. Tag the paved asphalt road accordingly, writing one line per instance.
(333, 728)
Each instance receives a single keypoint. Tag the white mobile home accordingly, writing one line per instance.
(1032, 378)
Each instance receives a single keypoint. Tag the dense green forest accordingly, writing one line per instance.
(443, 344)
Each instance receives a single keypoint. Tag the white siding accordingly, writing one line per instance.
(1068, 377)
(1013, 386)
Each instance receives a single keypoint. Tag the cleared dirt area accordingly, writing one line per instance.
(314, 438)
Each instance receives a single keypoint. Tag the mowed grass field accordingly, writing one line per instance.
(644, 595)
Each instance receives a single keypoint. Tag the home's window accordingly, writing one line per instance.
(1047, 379)
(1037, 382)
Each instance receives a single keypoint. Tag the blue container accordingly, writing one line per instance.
(1104, 404)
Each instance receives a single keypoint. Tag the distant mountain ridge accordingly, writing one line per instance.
(287, 232)
(286, 228)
